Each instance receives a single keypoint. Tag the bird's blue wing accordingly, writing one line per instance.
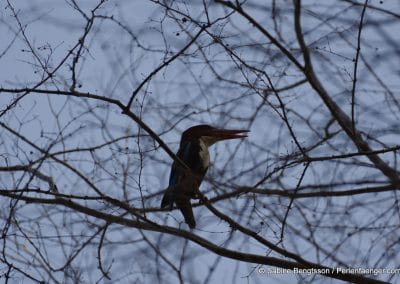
(175, 170)
(175, 176)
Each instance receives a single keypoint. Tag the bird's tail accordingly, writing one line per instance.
(168, 199)
(186, 208)
(181, 194)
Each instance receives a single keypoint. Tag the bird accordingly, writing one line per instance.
(193, 151)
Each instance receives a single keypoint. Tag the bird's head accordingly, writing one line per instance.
(210, 135)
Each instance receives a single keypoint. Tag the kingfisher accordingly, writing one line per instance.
(193, 151)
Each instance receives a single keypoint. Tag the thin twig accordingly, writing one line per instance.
(292, 199)
(353, 90)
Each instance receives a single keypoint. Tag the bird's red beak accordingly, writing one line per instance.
(223, 134)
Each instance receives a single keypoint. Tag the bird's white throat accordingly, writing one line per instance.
(204, 154)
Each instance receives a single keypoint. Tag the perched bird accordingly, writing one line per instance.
(193, 151)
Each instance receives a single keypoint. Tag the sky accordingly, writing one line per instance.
(213, 83)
